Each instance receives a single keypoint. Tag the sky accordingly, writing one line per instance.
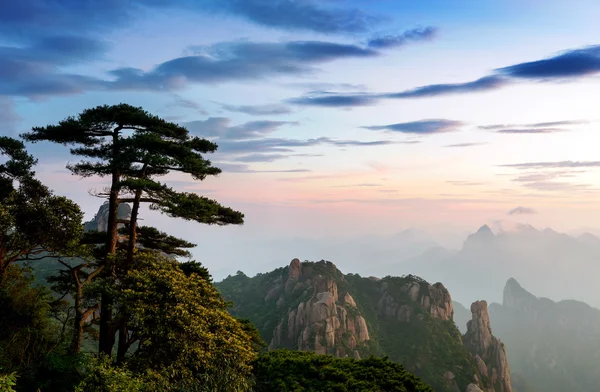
(334, 117)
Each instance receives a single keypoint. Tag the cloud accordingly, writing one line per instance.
(551, 181)
(522, 211)
(333, 99)
(464, 145)
(270, 157)
(33, 69)
(299, 15)
(221, 127)
(553, 165)
(324, 86)
(327, 99)
(530, 130)
(227, 167)
(569, 64)
(258, 110)
(486, 83)
(414, 35)
(539, 128)
(179, 101)
(421, 127)
(550, 186)
(250, 142)
(236, 61)
(36, 17)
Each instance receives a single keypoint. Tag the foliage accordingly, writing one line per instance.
(284, 370)
(102, 376)
(26, 331)
(7, 382)
(18, 164)
(186, 335)
(32, 219)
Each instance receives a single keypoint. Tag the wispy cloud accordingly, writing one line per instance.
(517, 131)
(258, 110)
(553, 165)
(252, 142)
(569, 64)
(486, 83)
(334, 99)
(298, 15)
(421, 127)
(328, 99)
(243, 168)
(534, 128)
(464, 145)
(522, 211)
(409, 36)
(179, 101)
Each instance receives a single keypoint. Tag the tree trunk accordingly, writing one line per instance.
(107, 332)
(131, 246)
(78, 322)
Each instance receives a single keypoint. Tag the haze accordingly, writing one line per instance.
(340, 125)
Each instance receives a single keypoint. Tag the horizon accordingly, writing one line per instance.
(338, 119)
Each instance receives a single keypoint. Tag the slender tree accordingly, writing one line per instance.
(134, 148)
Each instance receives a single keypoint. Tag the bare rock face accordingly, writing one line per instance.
(100, 221)
(473, 388)
(488, 352)
(433, 298)
(325, 322)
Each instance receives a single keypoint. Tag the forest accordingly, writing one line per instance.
(127, 309)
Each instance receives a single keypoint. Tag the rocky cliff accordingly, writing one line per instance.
(314, 307)
(324, 321)
(100, 221)
(488, 352)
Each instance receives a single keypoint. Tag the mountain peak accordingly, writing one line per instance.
(512, 283)
(515, 296)
(485, 230)
(483, 236)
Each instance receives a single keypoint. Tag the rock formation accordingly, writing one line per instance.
(488, 351)
(100, 221)
(326, 322)
(312, 306)
(434, 299)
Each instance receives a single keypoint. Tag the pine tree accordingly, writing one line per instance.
(133, 148)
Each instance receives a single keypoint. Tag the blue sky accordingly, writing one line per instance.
(333, 117)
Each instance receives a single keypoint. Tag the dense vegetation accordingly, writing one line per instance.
(294, 371)
(118, 310)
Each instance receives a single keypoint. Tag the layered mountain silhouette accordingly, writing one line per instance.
(543, 260)
(554, 346)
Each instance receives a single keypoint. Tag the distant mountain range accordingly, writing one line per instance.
(555, 265)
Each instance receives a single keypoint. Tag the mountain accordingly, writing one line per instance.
(555, 346)
(538, 258)
(312, 306)
(100, 220)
